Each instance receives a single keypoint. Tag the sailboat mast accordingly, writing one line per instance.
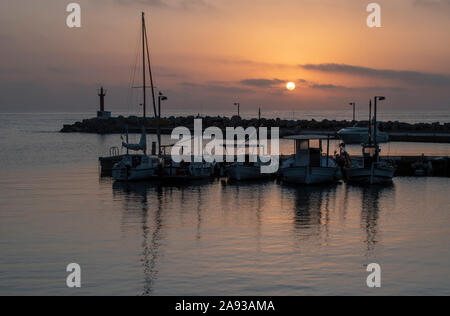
(143, 69)
(370, 122)
(157, 115)
(375, 136)
(150, 71)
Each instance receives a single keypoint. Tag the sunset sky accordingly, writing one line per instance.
(212, 53)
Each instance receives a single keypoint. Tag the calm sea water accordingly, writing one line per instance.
(207, 238)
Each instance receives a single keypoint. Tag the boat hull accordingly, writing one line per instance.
(307, 175)
(193, 172)
(369, 176)
(134, 174)
(242, 173)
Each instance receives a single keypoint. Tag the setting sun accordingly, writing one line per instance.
(290, 86)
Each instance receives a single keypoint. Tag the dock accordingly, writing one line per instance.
(407, 166)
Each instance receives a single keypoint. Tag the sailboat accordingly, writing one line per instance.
(309, 165)
(140, 166)
(370, 169)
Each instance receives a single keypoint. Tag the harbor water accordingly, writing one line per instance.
(211, 237)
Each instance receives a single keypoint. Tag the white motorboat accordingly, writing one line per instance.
(173, 171)
(309, 165)
(360, 135)
(136, 167)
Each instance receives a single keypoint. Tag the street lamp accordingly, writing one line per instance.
(354, 110)
(161, 97)
(377, 98)
(239, 109)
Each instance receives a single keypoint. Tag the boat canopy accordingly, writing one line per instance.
(136, 147)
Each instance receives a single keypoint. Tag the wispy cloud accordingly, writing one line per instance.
(174, 4)
(336, 87)
(215, 87)
(268, 83)
(433, 3)
(412, 77)
(262, 83)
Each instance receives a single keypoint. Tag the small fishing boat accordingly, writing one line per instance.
(242, 171)
(371, 169)
(309, 165)
(173, 171)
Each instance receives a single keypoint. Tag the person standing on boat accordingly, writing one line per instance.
(343, 158)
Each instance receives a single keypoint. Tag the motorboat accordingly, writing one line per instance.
(360, 135)
(173, 171)
(309, 165)
(243, 171)
(135, 167)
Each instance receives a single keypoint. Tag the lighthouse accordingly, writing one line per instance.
(102, 114)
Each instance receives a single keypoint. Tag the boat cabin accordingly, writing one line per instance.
(309, 150)
(371, 154)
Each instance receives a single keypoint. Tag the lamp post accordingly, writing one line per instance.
(377, 98)
(161, 97)
(354, 110)
(239, 109)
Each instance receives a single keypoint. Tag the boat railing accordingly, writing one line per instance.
(114, 151)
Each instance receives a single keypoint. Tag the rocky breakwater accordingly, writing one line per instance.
(118, 125)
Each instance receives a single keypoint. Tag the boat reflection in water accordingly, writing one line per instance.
(137, 204)
(147, 202)
(370, 213)
(218, 231)
(318, 211)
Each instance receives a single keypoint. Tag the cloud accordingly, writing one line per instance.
(433, 3)
(174, 4)
(335, 87)
(412, 77)
(274, 83)
(215, 87)
(261, 83)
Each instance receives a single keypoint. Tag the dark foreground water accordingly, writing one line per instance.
(208, 238)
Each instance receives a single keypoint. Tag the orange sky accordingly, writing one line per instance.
(211, 53)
